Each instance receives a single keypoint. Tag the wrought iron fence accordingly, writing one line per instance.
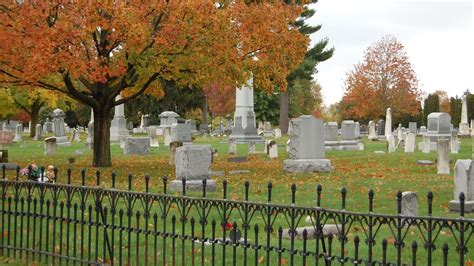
(55, 223)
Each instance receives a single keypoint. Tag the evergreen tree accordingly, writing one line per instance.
(431, 105)
(318, 53)
(456, 107)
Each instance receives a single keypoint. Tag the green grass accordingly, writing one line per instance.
(358, 171)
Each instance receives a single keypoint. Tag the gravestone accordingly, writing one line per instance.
(167, 136)
(388, 122)
(444, 156)
(48, 126)
(192, 126)
(412, 127)
(168, 118)
(331, 131)
(381, 127)
(272, 149)
(153, 137)
(38, 132)
(136, 146)
(454, 143)
(232, 146)
(439, 125)
(472, 127)
(422, 130)
(357, 130)
(372, 133)
(391, 143)
(244, 116)
(410, 142)
(252, 147)
(6, 137)
(90, 132)
(464, 125)
(277, 133)
(172, 149)
(463, 182)
(409, 204)
(306, 148)
(228, 126)
(193, 163)
(118, 126)
(18, 132)
(348, 130)
(181, 132)
(59, 130)
(50, 146)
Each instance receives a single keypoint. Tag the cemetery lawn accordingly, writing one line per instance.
(357, 171)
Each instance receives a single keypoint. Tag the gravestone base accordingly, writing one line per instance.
(344, 145)
(193, 185)
(455, 206)
(307, 165)
(63, 141)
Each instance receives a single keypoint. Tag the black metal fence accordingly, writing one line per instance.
(78, 224)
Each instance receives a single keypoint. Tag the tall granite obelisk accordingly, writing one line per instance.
(118, 127)
(244, 129)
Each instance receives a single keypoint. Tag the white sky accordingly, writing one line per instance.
(438, 37)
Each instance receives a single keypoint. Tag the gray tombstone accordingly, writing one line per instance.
(193, 164)
(410, 142)
(38, 132)
(50, 146)
(172, 151)
(463, 183)
(59, 130)
(348, 130)
(181, 132)
(18, 132)
(167, 136)
(381, 127)
(153, 137)
(168, 118)
(409, 205)
(391, 143)
(306, 147)
(412, 127)
(372, 133)
(138, 146)
(439, 125)
(272, 149)
(331, 131)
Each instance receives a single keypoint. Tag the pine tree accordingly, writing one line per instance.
(431, 105)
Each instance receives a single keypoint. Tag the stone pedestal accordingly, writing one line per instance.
(244, 129)
(444, 156)
(306, 147)
(59, 130)
(118, 126)
(193, 164)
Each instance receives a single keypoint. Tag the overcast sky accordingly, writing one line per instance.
(438, 37)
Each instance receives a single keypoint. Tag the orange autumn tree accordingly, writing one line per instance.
(93, 51)
(221, 100)
(385, 78)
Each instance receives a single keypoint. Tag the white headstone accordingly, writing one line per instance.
(372, 133)
(50, 146)
(410, 142)
(391, 143)
(18, 132)
(331, 131)
(388, 122)
(38, 132)
(167, 136)
(90, 131)
(273, 150)
(118, 126)
(153, 137)
(463, 183)
(444, 156)
(277, 133)
(232, 146)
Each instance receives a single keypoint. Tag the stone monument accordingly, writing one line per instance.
(372, 133)
(244, 129)
(59, 130)
(193, 163)
(388, 122)
(306, 147)
(118, 127)
(463, 182)
(464, 125)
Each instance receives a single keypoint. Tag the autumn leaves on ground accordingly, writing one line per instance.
(358, 171)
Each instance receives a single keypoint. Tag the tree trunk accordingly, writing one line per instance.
(284, 118)
(102, 157)
(34, 121)
(204, 127)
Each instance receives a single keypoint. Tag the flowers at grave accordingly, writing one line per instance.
(35, 171)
